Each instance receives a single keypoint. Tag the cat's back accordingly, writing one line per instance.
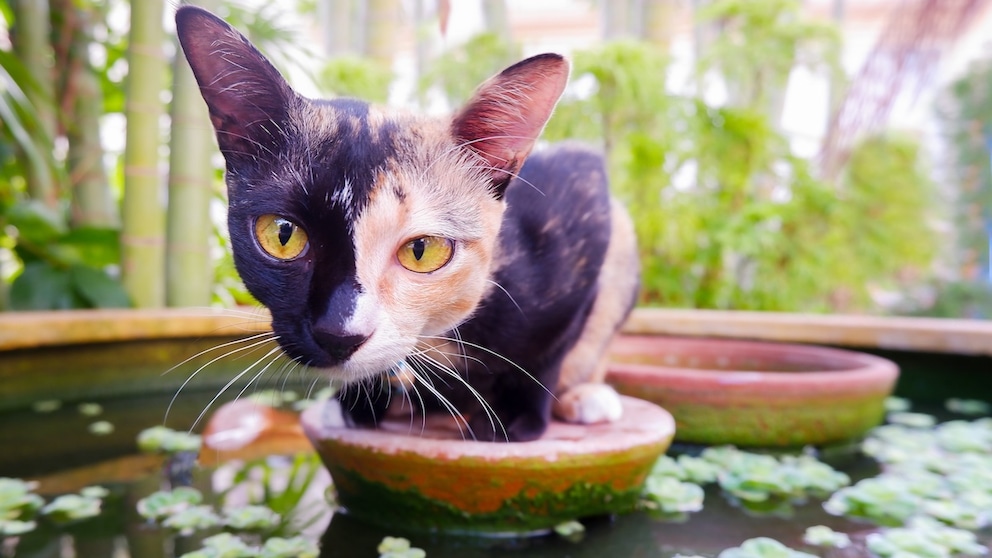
(556, 228)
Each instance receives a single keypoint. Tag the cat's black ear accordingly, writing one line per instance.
(507, 113)
(247, 97)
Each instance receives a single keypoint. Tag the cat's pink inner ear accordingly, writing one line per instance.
(507, 113)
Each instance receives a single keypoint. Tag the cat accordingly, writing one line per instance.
(383, 241)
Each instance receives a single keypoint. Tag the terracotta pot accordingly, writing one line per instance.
(436, 481)
(752, 393)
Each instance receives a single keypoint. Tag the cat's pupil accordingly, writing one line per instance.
(286, 232)
(419, 246)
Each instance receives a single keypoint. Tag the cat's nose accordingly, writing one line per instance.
(339, 345)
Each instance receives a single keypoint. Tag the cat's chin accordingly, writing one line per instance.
(358, 370)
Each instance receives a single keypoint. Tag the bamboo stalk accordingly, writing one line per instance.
(381, 24)
(191, 178)
(92, 202)
(143, 215)
(30, 40)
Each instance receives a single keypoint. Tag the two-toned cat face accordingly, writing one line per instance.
(363, 230)
(368, 232)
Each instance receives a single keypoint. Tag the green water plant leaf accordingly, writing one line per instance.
(193, 518)
(160, 439)
(821, 535)
(398, 547)
(17, 499)
(968, 406)
(251, 518)
(670, 495)
(71, 507)
(222, 545)
(168, 502)
(294, 547)
(763, 547)
(925, 537)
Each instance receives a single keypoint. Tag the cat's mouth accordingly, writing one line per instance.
(347, 358)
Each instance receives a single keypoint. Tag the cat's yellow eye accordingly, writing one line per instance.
(426, 254)
(279, 237)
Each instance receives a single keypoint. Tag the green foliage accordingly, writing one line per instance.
(362, 78)
(726, 215)
(759, 43)
(964, 118)
(63, 268)
(457, 72)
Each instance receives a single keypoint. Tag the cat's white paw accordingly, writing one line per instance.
(589, 404)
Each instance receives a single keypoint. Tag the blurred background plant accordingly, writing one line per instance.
(728, 213)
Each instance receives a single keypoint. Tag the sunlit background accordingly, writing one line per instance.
(788, 155)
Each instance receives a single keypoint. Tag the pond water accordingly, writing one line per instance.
(76, 454)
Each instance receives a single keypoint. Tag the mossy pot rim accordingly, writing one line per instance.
(453, 486)
(819, 364)
(815, 396)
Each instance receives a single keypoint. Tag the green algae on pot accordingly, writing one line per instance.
(755, 394)
(440, 482)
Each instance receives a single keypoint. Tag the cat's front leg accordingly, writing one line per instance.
(364, 403)
(518, 410)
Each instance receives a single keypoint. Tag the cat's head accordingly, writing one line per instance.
(363, 230)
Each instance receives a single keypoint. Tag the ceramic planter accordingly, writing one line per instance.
(752, 393)
(422, 482)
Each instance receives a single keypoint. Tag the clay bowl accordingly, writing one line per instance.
(434, 481)
(752, 393)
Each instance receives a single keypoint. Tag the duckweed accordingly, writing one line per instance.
(763, 547)
(398, 547)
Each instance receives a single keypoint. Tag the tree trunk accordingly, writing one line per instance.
(30, 39)
(191, 177)
(142, 242)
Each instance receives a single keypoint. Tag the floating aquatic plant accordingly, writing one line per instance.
(164, 503)
(915, 420)
(18, 505)
(71, 507)
(17, 497)
(894, 404)
(572, 531)
(101, 428)
(671, 496)
(398, 547)
(252, 518)
(763, 547)
(193, 518)
(90, 409)
(968, 406)
(821, 535)
(222, 545)
(14, 527)
(226, 545)
(943, 472)
(757, 478)
(160, 439)
(46, 405)
(294, 547)
(925, 537)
